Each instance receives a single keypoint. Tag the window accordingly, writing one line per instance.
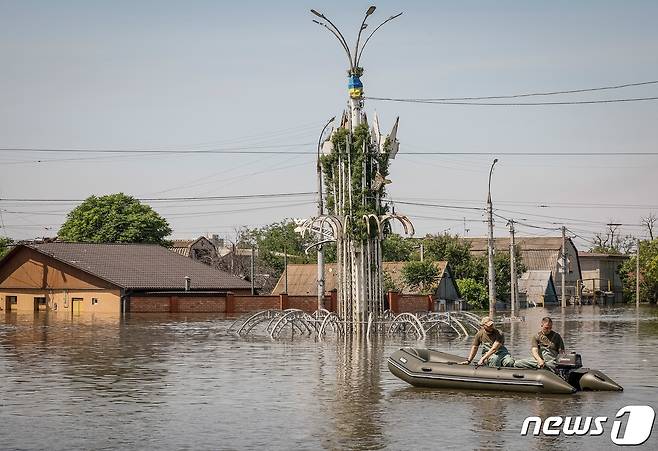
(13, 300)
(94, 301)
(40, 301)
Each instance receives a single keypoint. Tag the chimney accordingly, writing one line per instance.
(188, 282)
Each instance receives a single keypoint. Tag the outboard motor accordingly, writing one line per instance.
(569, 367)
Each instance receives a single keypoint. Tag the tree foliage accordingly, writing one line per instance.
(474, 292)
(648, 273)
(368, 167)
(396, 248)
(422, 276)
(115, 218)
(275, 240)
(5, 244)
(465, 265)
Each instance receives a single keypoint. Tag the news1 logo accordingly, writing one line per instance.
(638, 422)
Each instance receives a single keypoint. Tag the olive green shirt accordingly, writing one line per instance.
(551, 341)
(489, 338)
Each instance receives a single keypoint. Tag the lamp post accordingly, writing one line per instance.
(354, 71)
(490, 249)
(320, 213)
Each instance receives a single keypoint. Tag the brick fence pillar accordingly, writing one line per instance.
(284, 303)
(333, 303)
(393, 303)
(229, 303)
(430, 303)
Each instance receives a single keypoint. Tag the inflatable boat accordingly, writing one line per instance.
(427, 368)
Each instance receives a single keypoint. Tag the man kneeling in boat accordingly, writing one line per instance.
(494, 353)
(546, 345)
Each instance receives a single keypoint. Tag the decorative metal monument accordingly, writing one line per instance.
(354, 163)
(352, 170)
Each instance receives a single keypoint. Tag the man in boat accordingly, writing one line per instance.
(494, 352)
(546, 345)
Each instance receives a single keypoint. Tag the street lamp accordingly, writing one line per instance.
(490, 249)
(355, 71)
(320, 212)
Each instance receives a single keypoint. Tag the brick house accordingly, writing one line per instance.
(111, 278)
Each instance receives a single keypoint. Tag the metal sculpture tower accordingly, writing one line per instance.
(354, 164)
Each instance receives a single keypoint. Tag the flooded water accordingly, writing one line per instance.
(182, 382)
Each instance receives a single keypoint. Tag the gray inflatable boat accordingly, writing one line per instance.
(427, 368)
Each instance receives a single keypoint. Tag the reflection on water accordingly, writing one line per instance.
(180, 381)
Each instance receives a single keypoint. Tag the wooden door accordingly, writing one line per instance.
(76, 306)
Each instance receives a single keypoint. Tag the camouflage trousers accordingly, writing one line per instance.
(550, 361)
(502, 357)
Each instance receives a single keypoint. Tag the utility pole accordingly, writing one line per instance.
(490, 249)
(320, 213)
(563, 272)
(285, 267)
(637, 275)
(253, 287)
(513, 280)
(422, 252)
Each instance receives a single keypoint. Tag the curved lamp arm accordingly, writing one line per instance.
(358, 59)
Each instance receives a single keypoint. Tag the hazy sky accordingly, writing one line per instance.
(219, 75)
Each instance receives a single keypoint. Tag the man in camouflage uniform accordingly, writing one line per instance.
(494, 352)
(546, 345)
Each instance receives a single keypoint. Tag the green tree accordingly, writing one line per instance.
(389, 283)
(421, 275)
(5, 245)
(474, 292)
(464, 265)
(456, 252)
(648, 273)
(275, 240)
(396, 248)
(115, 218)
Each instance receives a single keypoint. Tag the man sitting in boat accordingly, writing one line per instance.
(494, 353)
(545, 346)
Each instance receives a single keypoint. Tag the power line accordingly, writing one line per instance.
(240, 151)
(228, 150)
(169, 199)
(549, 93)
(458, 207)
(573, 102)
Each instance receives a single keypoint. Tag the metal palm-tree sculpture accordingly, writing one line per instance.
(355, 161)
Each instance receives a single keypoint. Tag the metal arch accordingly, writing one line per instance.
(408, 318)
(367, 218)
(289, 317)
(307, 226)
(469, 318)
(436, 323)
(253, 320)
(332, 319)
(446, 317)
(406, 223)
(320, 313)
(334, 223)
(466, 334)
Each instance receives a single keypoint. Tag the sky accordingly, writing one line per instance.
(261, 76)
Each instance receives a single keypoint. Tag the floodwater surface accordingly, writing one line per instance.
(183, 382)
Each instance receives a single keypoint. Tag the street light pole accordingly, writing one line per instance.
(320, 213)
(513, 280)
(490, 249)
(354, 71)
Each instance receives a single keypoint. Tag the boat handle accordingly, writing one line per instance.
(427, 369)
(518, 376)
